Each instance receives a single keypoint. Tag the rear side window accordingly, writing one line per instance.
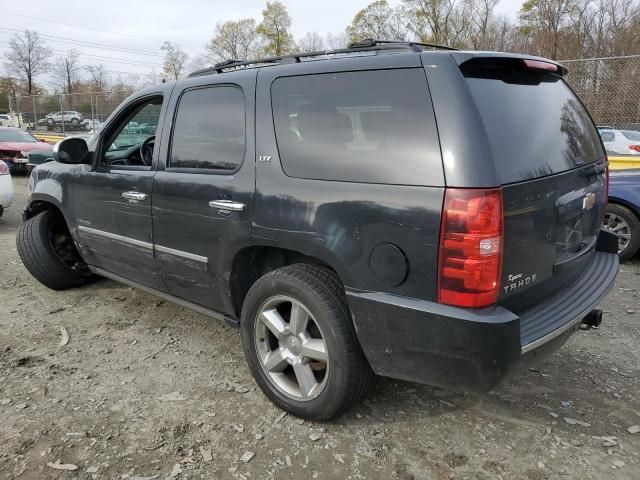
(535, 124)
(371, 126)
(209, 130)
(631, 135)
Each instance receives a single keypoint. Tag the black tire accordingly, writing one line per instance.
(57, 129)
(1, 211)
(56, 268)
(322, 294)
(75, 121)
(634, 226)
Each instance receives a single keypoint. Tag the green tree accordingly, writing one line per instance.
(274, 28)
(235, 40)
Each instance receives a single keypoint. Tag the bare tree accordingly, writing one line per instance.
(27, 57)
(311, 42)
(439, 21)
(175, 60)
(543, 20)
(98, 77)
(65, 71)
(335, 41)
(237, 40)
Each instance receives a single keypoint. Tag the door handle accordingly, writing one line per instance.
(228, 205)
(134, 196)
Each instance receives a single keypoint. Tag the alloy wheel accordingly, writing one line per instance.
(291, 348)
(621, 228)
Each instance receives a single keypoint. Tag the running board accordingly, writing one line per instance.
(232, 322)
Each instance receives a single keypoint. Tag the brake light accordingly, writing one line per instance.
(635, 147)
(4, 170)
(471, 246)
(539, 65)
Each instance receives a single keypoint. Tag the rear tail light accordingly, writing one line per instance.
(635, 148)
(606, 187)
(4, 170)
(471, 246)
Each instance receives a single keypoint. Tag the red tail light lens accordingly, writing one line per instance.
(471, 242)
(635, 147)
(4, 170)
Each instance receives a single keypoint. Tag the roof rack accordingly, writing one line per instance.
(367, 45)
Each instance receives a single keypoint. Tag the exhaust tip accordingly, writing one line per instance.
(593, 319)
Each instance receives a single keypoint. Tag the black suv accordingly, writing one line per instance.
(420, 213)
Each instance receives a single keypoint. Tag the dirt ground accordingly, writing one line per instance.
(148, 390)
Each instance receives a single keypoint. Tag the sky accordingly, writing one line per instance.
(126, 37)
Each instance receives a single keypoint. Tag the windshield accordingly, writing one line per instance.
(16, 136)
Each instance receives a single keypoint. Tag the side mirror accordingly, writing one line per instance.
(70, 150)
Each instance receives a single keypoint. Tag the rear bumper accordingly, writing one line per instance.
(427, 342)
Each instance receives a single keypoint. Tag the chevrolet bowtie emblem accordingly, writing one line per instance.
(588, 201)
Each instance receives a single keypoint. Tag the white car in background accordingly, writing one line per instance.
(6, 187)
(620, 142)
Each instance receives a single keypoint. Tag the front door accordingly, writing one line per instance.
(112, 198)
(203, 197)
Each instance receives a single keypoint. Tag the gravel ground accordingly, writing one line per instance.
(146, 389)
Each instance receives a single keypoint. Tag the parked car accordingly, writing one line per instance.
(38, 157)
(7, 120)
(623, 211)
(67, 116)
(135, 128)
(6, 187)
(14, 146)
(620, 142)
(316, 206)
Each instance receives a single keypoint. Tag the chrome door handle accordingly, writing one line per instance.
(228, 205)
(134, 196)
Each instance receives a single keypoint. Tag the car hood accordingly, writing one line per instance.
(24, 146)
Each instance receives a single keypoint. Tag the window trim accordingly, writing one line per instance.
(205, 171)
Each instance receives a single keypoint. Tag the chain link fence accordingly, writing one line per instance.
(610, 88)
(64, 113)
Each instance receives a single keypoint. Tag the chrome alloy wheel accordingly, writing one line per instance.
(621, 228)
(291, 348)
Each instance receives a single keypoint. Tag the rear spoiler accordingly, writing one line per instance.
(526, 62)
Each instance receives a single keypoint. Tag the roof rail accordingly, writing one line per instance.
(367, 45)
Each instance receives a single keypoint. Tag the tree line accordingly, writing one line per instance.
(558, 29)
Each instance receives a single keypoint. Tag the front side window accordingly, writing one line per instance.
(370, 126)
(128, 145)
(209, 130)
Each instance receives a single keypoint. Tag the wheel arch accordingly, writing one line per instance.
(252, 262)
(635, 209)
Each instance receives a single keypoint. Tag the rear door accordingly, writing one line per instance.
(549, 159)
(203, 193)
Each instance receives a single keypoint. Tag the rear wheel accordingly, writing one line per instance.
(47, 251)
(624, 223)
(300, 343)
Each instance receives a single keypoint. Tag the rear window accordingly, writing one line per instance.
(373, 126)
(535, 124)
